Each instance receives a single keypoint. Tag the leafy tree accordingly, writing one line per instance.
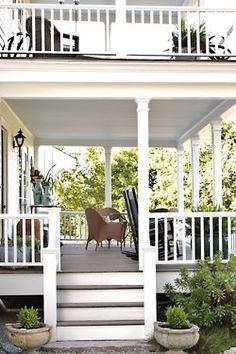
(84, 185)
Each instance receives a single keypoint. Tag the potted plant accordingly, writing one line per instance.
(29, 333)
(193, 38)
(177, 333)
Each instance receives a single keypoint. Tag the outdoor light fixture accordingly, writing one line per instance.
(18, 141)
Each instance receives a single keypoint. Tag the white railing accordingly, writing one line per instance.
(145, 31)
(22, 239)
(73, 226)
(186, 237)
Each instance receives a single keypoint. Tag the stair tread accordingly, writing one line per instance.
(98, 287)
(100, 323)
(99, 304)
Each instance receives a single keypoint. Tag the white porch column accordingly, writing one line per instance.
(216, 150)
(50, 289)
(195, 170)
(108, 201)
(120, 27)
(180, 177)
(143, 175)
(149, 278)
(36, 156)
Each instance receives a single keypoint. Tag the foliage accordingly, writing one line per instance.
(28, 317)
(84, 185)
(215, 340)
(211, 293)
(47, 181)
(176, 317)
(193, 36)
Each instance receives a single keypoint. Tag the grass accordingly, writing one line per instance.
(215, 341)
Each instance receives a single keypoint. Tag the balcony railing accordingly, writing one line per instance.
(188, 237)
(27, 30)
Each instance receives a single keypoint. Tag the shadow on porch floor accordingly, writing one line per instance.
(74, 257)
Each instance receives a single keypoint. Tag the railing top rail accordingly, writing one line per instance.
(179, 8)
(81, 212)
(57, 6)
(193, 214)
(24, 216)
(113, 7)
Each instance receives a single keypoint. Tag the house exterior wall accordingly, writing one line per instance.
(12, 124)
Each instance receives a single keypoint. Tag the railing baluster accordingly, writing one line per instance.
(5, 228)
(193, 238)
(42, 30)
(202, 237)
(229, 236)
(166, 238)
(52, 30)
(175, 239)
(157, 237)
(184, 239)
(33, 240)
(41, 240)
(179, 33)
(107, 31)
(211, 237)
(151, 17)
(220, 235)
(14, 243)
(24, 240)
(33, 31)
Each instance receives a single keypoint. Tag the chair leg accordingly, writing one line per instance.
(97, 244)
(86, 247)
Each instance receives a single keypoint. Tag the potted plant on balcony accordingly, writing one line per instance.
(177, 333)
(193, 38)
(29, 333)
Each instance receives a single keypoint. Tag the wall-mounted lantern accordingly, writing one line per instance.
(18, 141)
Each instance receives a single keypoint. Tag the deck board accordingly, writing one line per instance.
(74, 257)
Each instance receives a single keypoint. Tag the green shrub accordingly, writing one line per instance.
(176, 317)
(208, 296)
(28, 318)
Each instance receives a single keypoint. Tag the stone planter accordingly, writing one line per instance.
(176, 339)
(28, 339)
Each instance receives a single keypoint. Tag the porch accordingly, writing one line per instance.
(117, 31)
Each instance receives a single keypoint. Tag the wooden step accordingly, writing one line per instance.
(100, 311)
(101, 304)
(100, 323)
(102, 330)
(98, 287)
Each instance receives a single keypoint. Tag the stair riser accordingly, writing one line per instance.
(125, 278)
(96, 314)
(100, 333)
(79, 296)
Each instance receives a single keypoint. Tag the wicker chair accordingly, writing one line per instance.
(100, 229)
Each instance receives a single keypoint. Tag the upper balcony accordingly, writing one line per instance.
(112, 31)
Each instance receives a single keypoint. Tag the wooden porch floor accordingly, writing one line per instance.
(74, 258)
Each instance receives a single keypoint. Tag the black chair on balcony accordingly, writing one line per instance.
(132, 209)
(48, 28)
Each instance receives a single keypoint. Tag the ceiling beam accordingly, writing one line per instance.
(213, 114)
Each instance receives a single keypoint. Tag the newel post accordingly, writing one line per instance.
(54, 233)
(50, 289)
(150, 303)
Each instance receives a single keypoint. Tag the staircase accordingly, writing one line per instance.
(100, 306)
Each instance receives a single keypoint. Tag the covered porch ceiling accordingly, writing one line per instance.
(113, 122)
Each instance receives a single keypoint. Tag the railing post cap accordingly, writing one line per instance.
(49, 251)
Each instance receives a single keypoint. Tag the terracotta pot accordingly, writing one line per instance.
(176, 339)
(28, 339)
